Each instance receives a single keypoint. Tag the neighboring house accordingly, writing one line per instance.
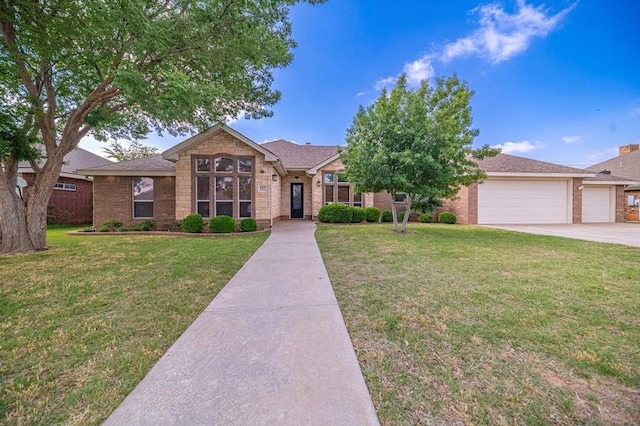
(222, 172)
(627, 163)
(519, 190)
(72, 199)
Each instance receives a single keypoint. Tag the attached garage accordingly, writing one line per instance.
(524, 201)
(598, 205)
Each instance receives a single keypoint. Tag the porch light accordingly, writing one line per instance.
(318, 183)
(274, 177)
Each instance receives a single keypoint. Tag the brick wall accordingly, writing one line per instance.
(74, 207)
(631, 213)
(577, 200)
(114, 200)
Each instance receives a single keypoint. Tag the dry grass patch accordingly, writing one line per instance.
(468, 325)
(83, 322)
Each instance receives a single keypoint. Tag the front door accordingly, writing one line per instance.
(297, 201)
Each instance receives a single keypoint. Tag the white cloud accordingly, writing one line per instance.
(230, 120)
(419, 70)
(634, 112)
(571, 139)
(385, 83)
(360, 94)
(502, 35)
(519, 147)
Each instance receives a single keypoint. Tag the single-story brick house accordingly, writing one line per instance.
(627, 163)
(222, 172)
(72, 199)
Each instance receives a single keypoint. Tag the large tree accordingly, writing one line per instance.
(417, 142)
(121, 151)
(119, 69)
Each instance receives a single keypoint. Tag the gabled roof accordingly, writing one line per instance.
(146, 166)
(77, 159)
(300, 157)
(608, 179)
(627, 165)
(173, 152)
(511, 165)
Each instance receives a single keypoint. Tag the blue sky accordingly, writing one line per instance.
(556, 80)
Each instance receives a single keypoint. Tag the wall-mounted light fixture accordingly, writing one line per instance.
(318, 183)
(581, 187)
(274, 177)
(296, 177)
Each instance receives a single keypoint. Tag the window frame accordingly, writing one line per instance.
(134, 202)
(234, 175)
(335, 184)
(63, 186)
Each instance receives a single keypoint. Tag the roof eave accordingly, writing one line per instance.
(610, 182)
(314, 169)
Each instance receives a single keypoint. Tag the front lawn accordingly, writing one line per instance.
(469, 325)
(83, 322)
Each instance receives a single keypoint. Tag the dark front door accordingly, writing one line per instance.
(297, 201)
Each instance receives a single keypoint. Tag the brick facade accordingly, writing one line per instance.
(114, 200)
(576, 216)
(69, 207)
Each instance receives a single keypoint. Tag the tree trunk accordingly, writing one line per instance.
(394, 212)
(14, 236)
(407, 212)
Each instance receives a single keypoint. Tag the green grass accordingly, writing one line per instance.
(82, 323)
(469, 325)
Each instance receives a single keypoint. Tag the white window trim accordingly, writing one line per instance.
(133, 200)
(65, 186)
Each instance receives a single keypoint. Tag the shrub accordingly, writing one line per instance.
(147, 225)
(425, 218)
(336, 213)
(373, 214)
(222, 225)
(447, 217)
(359, 214)
(175, 226)
(110, 226)
(193, 223)
(248, 225)
(387, 216)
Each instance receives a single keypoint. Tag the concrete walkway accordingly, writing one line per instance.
(617, 233)
(271, 348)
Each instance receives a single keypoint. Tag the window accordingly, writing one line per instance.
(339, 190)
(224, 165)
(65, 186)
(143, 198)
(203, 198)
(401, 197)
(224, 189)
(244, 196)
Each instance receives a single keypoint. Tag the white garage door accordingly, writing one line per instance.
(596, 205)
(522, 202)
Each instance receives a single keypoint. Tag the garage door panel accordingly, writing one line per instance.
(522, 202)
(596, 205)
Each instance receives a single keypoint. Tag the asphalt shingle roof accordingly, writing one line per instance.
(294, 156)
(153, 163)
(627, 165)
(77, 159)
(513, 164)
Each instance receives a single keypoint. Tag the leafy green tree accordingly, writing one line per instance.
(417, 142)
(119, 69)
(133, 149)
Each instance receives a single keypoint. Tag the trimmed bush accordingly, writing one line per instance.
(147, 225)
(248, 225)
(175, 226)
(193, 223)
(447, 217)
(335, 213)
(110, 226)
(359, 215)
(387, 216)
(373, 214)
(222, 225)
(425, 218)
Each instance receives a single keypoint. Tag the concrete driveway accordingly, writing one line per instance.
(617, 233)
